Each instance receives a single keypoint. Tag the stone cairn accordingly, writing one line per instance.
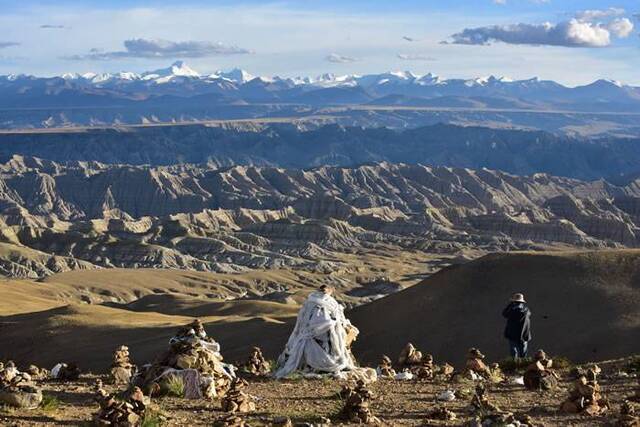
(480, 401)
(441, 413)
(230, 420)
(585, 396)
(17, 388)
(36, 373)
(629, 415)
(356, 408)
(196, 359)
(122, 369)
(257, 364)
(426, 369)
(540, 375)
(475, 366)
(127, 412)
(385, 368)
(409, 357)
(236, 399)
(65, 372)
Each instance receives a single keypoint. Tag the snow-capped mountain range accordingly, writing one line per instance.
(395, 89)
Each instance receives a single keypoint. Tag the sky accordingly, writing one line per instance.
(573, 42)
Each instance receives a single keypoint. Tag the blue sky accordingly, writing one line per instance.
(571, 41)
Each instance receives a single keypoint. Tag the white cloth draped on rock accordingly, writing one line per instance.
(319, 340)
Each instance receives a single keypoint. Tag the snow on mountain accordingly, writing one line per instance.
(164, 75)
(236, 75)
(180, 70)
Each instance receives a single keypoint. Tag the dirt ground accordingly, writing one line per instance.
(306, 401)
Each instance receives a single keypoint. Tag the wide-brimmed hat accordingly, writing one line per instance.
(517, 297)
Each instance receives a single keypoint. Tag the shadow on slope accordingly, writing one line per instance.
(585, 307)
(88, 335)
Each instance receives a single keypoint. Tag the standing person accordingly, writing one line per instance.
(518, 329)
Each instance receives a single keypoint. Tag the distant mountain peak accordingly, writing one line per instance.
(236, 75)
(177, 69)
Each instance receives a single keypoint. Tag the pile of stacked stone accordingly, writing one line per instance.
(36, 373)
(585, 396)
(426, 369)
(503, 419)
(257, 364)
(385, 368)
(441, 413)
(127, 412)
(230, 420)
(480, 401)
(629, 415)
(236, 399)
(540, 375)
(356, 408)
(409, 358)
(475, 366)
(194, 358)
(17, 388)
(65, 372)
(121, 368)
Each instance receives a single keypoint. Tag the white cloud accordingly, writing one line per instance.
(415, 57)
(572, 33)
(144, 48)
(500, 2)
(598, 14)
(340, 59)
(621, 27)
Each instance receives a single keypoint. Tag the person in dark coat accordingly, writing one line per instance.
(518, 329)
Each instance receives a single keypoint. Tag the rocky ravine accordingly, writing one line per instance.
(55, 217)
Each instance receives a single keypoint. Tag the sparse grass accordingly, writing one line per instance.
(50, 403)
(511, 366)
(151, 419)
(6, 409)
(296, 376)
(174, 386)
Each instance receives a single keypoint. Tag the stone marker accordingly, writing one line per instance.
(356, 408)
(17, 388)
(585, 396)
(540, 375)
(236, 400)
(426, 369)
(409, 357)
(230, 420)
(257, 364)
(441, 413)
(193, 357)
(480, 401)
(65, 372)
(475, 365)
(128, 412)
(122, 369)
(385, 368)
